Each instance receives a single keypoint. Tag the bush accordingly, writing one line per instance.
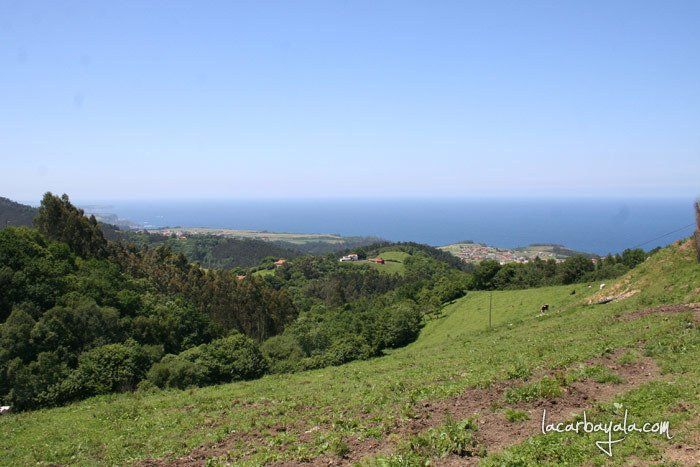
(400, 326)
(282, 352)
(232, 358)
(175, 372)
(39, 383)
(112, 368)
(347, 349)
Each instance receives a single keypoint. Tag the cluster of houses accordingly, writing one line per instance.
(177, 233)
(355, 257)
(475, 252)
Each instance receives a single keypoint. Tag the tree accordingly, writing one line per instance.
(574, 268)
(59, 220)
(632, 258)
(15, 336)
(485, 273)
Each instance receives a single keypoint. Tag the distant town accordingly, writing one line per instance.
(471, 252)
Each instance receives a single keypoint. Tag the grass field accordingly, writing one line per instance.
(393, 262)
(334, 411)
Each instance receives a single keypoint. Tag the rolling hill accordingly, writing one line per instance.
(15, 214)
(462, 390)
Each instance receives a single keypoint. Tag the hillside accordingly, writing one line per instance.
(303, 242)
(214, 252)
(82, 316)
(15, 214)
(461, 389)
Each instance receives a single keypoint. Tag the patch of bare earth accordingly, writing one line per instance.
(248, 439)
(665, 309)
(485, 405)
(688, 451)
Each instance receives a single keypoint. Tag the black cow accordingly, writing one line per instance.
(544, 308)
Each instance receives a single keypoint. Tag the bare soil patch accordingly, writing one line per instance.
(680, 308)
(486, 405)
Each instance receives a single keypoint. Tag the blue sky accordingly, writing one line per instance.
(146, 99)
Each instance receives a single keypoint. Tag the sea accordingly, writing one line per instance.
(594, 225)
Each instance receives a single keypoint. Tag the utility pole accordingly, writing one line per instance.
(490, 307)
(697, 230)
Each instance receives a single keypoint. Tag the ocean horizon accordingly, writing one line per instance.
(592, 225)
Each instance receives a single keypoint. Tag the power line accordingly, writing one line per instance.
(664, 235)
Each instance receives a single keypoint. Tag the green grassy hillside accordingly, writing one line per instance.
(393, 262)
(396, 409)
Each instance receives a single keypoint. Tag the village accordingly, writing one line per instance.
(477, 252)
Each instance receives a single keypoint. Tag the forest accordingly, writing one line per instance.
(82, 315)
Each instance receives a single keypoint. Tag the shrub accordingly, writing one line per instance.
(175, 372)
(400, 326)
(347, 349)
(112, 367)
(282, 352)
(232, 358)
(39, 383)
(146, 386)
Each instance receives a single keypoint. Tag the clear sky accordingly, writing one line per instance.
(204, 99)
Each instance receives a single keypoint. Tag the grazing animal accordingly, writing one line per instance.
(544, 308)
(5, 409)
(602, 286)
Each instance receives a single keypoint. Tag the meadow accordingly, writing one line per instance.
(393, 262)
(378, 411)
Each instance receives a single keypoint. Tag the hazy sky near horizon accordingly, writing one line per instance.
(230, 99)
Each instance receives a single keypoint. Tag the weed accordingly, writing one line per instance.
(546, 388)
(515, 415)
